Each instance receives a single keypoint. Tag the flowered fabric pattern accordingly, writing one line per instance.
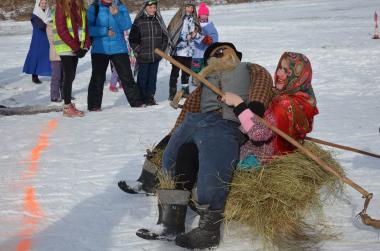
(295, 106)
(292, 110)
(185, 48)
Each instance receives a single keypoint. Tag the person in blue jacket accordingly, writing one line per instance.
(107, 20)
(37, 61)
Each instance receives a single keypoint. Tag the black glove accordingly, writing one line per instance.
(81, 53)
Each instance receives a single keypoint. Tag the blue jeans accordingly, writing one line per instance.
(218, 142)
(147, 78)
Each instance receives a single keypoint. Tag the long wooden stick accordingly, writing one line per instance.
(348, 148)
(190, 72)
(273, 128)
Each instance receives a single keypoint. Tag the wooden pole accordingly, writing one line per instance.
(319, 141)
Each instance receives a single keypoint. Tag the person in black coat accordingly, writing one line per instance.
(148, 32)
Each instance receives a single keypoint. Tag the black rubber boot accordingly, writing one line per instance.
(172, 207)
(206, 235)
(148, 177)
(35, 79)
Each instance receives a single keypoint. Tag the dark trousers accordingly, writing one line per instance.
(69, 66)
(56, 80)
(187, 166)
(147, 79)
(186, 61)
(123, 68)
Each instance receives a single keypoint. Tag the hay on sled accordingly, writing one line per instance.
(282, 202)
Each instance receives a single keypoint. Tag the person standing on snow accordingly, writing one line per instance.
(56, 66)
(183, 30)
(208, 36)
(37, 61)
(108, 20)
(72, 42)
(148, 32)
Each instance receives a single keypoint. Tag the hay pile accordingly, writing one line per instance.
(282, 202)
(164, 181)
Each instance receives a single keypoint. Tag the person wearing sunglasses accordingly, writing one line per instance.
(209, 129)
(148, 32)
(183, 30)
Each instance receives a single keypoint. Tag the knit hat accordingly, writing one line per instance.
(149, 2)
(213, 48)
(189, 2)
(203, 10)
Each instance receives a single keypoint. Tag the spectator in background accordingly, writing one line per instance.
(72, 42)
(55, 62)
(107, 21)
(37, 61)
(148, 33)
(208, 36)
(183, 29)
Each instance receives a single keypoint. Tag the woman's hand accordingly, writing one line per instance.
(110, 32)
(232, 99)
(114, 10)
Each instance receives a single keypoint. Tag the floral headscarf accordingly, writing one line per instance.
(299, 76)
(295, 106)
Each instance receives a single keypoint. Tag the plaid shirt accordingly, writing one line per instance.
(260, 91)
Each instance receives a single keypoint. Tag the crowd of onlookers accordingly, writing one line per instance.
(65, 30)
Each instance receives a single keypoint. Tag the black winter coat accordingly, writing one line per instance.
(146, 35)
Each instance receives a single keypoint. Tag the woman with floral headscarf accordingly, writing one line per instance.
(37, 61)
(292, 110)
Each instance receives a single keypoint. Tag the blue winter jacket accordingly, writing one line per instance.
(200, 47)
(98, 27)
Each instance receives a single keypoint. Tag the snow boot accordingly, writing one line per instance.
(71, 111)
(148, 177)
(35, 79)
(207, 234)
(172, 207)
(151, 101)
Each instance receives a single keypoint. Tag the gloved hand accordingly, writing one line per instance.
(81, 53)
(207, 40)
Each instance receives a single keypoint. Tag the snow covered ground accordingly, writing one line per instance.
(58, 175)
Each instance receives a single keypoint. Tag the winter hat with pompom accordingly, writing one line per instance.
(203, 10)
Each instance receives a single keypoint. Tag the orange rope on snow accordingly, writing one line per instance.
(32, 209)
